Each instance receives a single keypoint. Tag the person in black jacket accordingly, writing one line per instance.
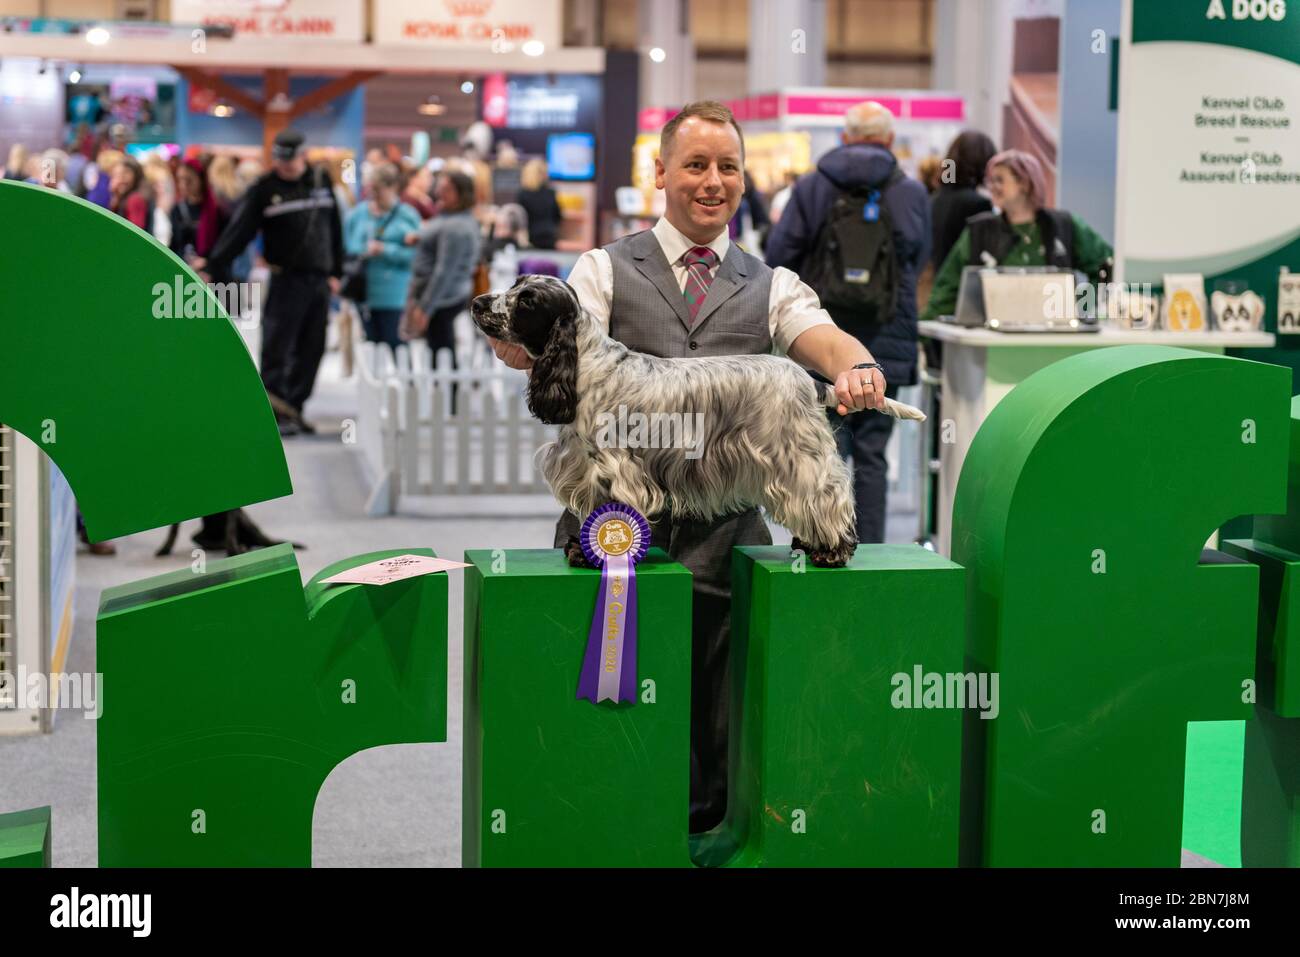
(958, 197)
(302, 239)
(198, 217)
(539, 201)
(865, 160)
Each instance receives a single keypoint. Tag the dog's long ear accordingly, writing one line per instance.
(553, 385)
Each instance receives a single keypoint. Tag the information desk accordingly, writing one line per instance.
(980, 366)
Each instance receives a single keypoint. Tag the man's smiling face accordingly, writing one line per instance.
(702, 178)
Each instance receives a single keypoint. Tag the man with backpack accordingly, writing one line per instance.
(858, 232)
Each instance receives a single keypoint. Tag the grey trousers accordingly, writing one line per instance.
(705, 549)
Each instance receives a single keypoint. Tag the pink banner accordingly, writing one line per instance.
(494, 99)
(766, 106)
(836, 105)
(944, 108)
(770, 106)
(653, 118)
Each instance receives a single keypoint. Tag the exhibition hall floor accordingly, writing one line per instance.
(397, 805)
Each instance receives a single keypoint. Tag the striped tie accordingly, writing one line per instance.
(699, 260)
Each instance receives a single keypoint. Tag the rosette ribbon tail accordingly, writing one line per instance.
(609, 667)
(614, 537)
(589, 680)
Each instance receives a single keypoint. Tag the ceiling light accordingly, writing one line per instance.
(74, 76)
(658, 55)
(467, 86)
(97, 36)
(534, 48)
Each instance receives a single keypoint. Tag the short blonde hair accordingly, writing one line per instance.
(535, 174)
(223, 179)
(710, 110)
(107, 159)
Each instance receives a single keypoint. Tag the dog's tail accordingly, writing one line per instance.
(899, 410)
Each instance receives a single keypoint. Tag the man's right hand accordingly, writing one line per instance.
(511, 354)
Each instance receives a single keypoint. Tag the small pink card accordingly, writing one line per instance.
(389, 570)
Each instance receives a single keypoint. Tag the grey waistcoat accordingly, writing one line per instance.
(649, 313)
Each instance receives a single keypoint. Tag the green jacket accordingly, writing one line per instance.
(1090, 254)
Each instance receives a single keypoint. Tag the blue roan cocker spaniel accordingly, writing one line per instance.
(742, 430)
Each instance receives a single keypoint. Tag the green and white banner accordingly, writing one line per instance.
(1209, 172)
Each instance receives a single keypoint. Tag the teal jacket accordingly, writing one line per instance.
(388, 274)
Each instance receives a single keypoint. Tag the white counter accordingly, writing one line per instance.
(947, 332)
(980, 366)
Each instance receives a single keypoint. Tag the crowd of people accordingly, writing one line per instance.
(406, 243)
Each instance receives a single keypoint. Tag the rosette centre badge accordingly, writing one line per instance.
(614, 538)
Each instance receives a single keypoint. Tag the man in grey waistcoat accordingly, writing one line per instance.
(683, 289)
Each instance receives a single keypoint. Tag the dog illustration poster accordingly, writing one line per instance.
(1288, 303)
(1133, 310)
(1241, 312)
(1185, 303)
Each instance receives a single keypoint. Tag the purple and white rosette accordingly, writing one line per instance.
(614, 538)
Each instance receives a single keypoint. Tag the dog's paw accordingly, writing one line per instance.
(836, 556)
(574, 553)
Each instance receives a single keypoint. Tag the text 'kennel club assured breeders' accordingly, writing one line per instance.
(764, 436)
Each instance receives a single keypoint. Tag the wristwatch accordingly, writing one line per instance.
(870, 365)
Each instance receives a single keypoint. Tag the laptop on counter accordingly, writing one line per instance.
(1018, 299)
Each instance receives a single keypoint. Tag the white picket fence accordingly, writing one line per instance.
(415, 444)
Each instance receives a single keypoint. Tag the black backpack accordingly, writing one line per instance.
(853, 266)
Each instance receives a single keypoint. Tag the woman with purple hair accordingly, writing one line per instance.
(1020, 231)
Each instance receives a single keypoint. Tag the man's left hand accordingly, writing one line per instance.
(859, 389)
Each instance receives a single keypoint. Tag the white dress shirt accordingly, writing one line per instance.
(792, 307)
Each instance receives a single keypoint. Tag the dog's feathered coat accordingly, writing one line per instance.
(766, 440)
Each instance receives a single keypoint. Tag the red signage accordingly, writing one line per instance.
(275, 19)
(277, 26)
(495, 99)
(498, 25)
(202, 99)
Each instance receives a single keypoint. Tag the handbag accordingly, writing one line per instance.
(414, 322)
(354, 285)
